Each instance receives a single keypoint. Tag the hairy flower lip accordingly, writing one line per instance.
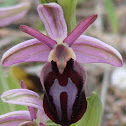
(55, 85)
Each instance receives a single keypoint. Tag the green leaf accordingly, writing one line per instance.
(14, 84)
(6, 3)
(112, 16)
(51, 123)
(47, 1)
(43, 1)
(7, 83)
(92, 117)
(3, 87)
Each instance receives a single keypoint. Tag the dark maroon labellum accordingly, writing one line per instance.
(64, 99)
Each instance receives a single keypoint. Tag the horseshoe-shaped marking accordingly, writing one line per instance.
(55, 92)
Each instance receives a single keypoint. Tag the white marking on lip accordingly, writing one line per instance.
(55, 92)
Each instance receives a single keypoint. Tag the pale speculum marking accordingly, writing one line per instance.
(70, 89)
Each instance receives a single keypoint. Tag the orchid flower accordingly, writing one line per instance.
(63, 78)
(23, 118)
(13, 13)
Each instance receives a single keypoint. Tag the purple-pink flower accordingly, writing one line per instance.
(23, 118)
(13, 13)
(63, 78)
(86, 49)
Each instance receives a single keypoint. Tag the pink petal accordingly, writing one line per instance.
(32, 112)
(81, 27)
(10, 14)
(23, 86)
(41, 124)
(31, 109)
(41, 116)
(22, 97)
(38, 35)
(14, 118)
(28, 123)
(91, 50)
(28, 51)
(52, 16)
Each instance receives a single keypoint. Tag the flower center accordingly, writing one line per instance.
(61, 54)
